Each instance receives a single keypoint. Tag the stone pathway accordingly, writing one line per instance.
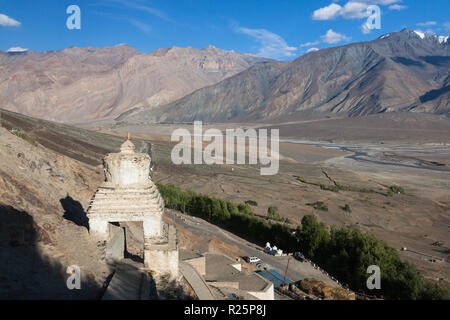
(196, 281)
(126, 283)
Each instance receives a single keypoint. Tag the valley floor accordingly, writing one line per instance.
(418, 220)
(45, 189)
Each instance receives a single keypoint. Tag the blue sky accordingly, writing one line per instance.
(279, 29)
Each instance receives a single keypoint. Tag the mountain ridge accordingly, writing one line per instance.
(388, 74)
(86, 84)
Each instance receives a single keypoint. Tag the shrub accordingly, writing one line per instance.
(330, 187)
(336, 187)
(396, 190)
(347, 208)
(319, 205)
(272, 213)
(25, 136)
(251, 203)
(245, 209)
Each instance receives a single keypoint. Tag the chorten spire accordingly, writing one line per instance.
(127, 146)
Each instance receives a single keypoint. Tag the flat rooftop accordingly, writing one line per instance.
(219, 269)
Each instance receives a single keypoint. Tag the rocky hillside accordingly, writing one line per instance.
(402, 71)
(48, 175)
(83, 84)
(85, 146)
(42, 196)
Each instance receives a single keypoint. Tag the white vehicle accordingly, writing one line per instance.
(252, 259)
(268, 248)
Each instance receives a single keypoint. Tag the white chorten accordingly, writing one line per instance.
(128, 194)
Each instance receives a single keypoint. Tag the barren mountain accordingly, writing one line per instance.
(402, 71)
(83, 84)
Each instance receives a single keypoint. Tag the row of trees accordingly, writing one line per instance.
(238, 218)
(343, 252)
(347, 252)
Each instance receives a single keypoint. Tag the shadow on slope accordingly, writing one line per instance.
(25, 272)
(73, 211)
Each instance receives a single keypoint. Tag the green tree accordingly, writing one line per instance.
(312, 235)
(343, 252)
(272, 213)
(245, 209)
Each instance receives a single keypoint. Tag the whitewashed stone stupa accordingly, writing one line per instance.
(128, 194)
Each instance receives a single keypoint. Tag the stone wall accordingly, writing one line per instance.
(163, 262)
(266, 294)
(199, 264)
(163, 257)
(115, 247)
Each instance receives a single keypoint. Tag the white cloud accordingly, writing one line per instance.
(137, 6)
(433, 28)
(272, 45)
(365, 28)
(382, 2)
(312, 50)
(334, 37)
(6, 21)
(447, 26)
(427, 24)
(17, 49)
(330, 37)
(354, 9)
(397, 7)
(134, 22)
(351, 10)
(141, 25)
(309, 44)
(327, 13)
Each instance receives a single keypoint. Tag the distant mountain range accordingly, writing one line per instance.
(84, 84)
(401, 71)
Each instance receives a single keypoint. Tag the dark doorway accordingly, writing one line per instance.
(134, 240)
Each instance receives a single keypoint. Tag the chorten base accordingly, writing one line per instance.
(161, 257)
